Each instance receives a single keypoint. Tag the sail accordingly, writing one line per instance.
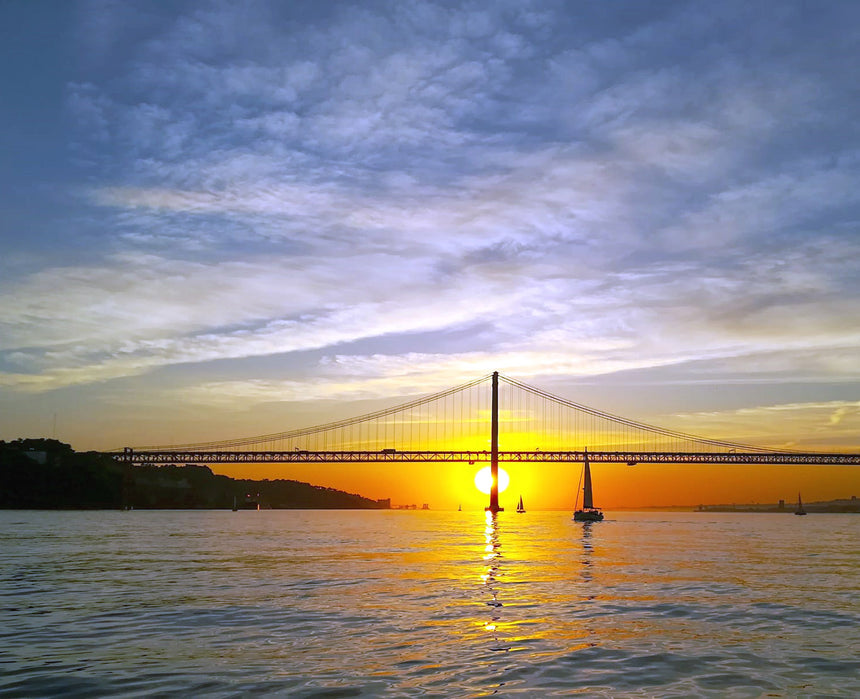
(587, 502)
(799, 510)
(588, 513)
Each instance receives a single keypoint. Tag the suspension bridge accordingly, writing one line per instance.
(466, 424)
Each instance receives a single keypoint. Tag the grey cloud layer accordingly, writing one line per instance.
(677, 185)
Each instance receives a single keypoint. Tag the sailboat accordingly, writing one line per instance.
(588, 513)
(799, 510)
(520, 507)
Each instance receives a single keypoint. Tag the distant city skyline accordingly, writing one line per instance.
(225, 219)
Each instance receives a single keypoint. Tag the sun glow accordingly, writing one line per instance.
(484, 480)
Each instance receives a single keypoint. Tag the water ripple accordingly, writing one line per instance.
(343, 604)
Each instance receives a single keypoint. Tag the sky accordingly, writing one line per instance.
(222, 219)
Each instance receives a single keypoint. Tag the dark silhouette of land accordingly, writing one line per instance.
(851, 504)
(48, 474)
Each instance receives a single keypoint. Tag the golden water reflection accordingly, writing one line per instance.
(490, 579)
(357, 603)
(519, 578)
(538, 585)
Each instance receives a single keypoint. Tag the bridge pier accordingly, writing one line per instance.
(494, 448)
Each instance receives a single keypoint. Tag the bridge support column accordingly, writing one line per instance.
(494, 448)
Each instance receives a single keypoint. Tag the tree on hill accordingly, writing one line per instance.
(48, 474)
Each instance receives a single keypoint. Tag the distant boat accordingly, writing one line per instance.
(799, 510)
(249, 503)
(588, 513)
(520, 507)
(459, 508)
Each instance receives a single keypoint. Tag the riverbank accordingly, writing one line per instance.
(47, 474)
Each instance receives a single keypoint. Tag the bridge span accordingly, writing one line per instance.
(457, 425)
(393, 456)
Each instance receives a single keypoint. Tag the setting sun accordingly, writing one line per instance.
(484, 480)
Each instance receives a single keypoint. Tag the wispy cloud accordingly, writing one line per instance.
(812, 425)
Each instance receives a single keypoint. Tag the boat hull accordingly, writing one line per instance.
(588, 516)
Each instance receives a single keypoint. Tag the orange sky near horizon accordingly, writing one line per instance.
(445, 486)
(465, 425)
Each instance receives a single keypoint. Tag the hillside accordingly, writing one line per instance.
(47, 474)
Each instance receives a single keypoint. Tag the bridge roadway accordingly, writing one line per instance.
(537, 456)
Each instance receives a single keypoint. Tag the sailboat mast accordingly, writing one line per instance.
(587, 502)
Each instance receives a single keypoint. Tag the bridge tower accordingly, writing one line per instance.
(494, 448)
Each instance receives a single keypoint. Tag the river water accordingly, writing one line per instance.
(391, 603)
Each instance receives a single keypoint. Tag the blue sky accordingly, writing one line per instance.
(223, 218)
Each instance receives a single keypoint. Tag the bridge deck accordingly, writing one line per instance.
(390, 455)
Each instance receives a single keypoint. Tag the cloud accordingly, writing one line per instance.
(352, 377)
(80, 325)
(777, 204)
(161, 313)
(376, 376)
(599, 192)
(810, 425)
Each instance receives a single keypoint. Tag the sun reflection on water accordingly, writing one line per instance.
(430, 603)
(490, 579)
(529, 610)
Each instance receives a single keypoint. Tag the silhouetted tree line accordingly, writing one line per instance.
(47, 474)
